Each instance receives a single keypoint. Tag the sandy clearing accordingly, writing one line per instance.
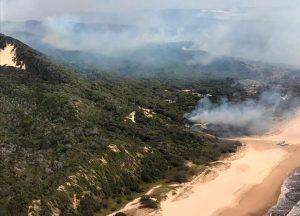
(131, 117)
(7, 56)
(134, 204)
(249, 186)
(114, 148)
(147, 112)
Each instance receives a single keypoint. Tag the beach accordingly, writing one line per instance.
(248, 184)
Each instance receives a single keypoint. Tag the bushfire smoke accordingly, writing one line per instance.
(249, 116)
(259, 30)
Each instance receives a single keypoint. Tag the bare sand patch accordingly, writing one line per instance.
(131, 117)
(114, 148)
(8, 57)
(133, 207)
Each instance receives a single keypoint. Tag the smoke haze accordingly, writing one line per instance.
(20, 10)
(258, 30)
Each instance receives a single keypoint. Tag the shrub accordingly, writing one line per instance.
(120, 214)
(147, 202)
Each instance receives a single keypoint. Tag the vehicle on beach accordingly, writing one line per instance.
(282, 143)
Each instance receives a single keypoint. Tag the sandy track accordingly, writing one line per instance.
(134, 204)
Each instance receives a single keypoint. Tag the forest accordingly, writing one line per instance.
(68, 146)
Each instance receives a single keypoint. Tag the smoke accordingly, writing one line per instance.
(70, 33)
(269, 35)
(20, 10)
(250, 116)
(258, 30)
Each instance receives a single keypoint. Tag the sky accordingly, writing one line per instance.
(17, 10)
(267, 31)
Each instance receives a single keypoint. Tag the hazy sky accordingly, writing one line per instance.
(38, 9)
(269, 31)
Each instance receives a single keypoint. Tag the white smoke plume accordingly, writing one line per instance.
(253, 116)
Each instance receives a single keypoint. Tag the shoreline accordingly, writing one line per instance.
(182, 190)
(247, 182)
(206, 194)
(258, 199)
(249, 203)
(246, 197)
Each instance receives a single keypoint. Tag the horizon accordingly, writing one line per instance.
(13, 10)
(256, 30)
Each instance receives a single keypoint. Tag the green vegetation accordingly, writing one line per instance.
(66, 145)
(147, 202)
(120, 214)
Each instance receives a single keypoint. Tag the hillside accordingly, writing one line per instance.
(156, 59)
(73, 144)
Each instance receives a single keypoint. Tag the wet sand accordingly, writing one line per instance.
(250, 186)
(260, 198)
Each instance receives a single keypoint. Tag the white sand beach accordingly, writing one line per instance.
(250, 184)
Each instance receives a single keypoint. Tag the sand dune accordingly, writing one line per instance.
(249, 186)
(8, 55)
